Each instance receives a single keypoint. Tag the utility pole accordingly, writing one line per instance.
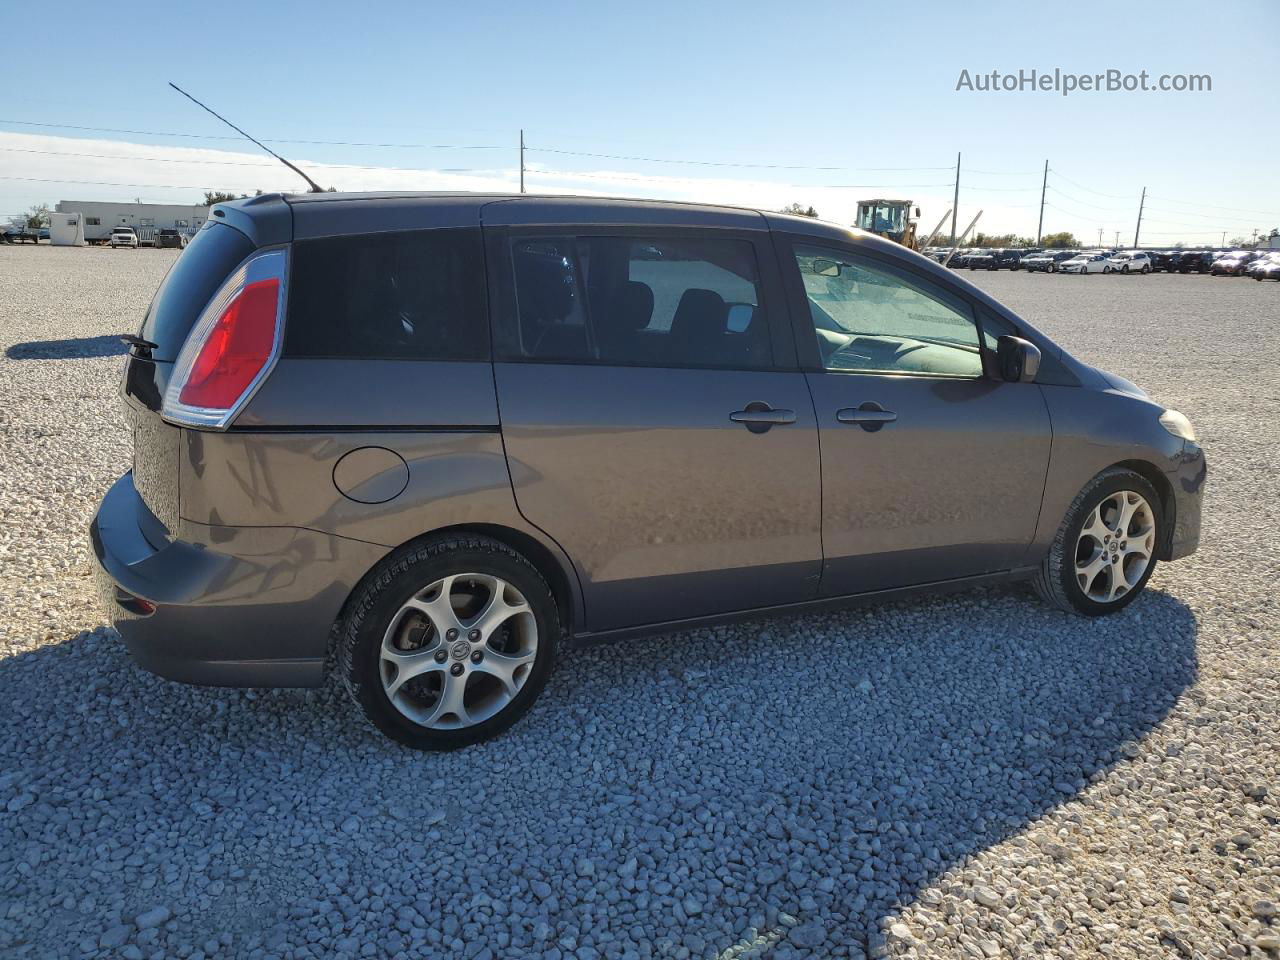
(522, 160)
(1117, 243)
(1224, 238)
(1043, 186)
(1099, 237)
(955, 204)
(1138, 229)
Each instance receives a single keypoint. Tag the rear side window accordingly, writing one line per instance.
(653, 301)
(189, 286)
(406, 296)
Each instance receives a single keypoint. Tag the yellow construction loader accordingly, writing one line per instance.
(896, 220)
(891, 219)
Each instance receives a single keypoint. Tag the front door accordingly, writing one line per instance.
(931, 468)
(650, 426)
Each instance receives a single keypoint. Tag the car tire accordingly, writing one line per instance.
(1125, 268)
(1106, 268)
(1146, 269)
(1071, 577)
(389, 618)
(1052, 268)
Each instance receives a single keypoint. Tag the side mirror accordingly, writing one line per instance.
(917, 213)
(826, 268)
(1018, 359)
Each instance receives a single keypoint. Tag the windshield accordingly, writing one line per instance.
(882, 217)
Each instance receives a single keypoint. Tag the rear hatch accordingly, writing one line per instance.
(192, 281)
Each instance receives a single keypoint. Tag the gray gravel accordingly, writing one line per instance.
(974, 776)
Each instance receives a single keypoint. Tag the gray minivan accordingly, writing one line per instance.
(425, 439)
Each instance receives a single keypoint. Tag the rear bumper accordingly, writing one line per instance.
(233, 606)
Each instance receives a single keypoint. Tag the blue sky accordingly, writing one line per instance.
(869, 88)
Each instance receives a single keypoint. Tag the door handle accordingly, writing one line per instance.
(870, 416)
(759, 416)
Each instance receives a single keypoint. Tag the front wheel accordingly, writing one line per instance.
(1146, 269)
(450, 641)
(1125, 268)
(1104, 552)
(1106, 269)
(1052, 268)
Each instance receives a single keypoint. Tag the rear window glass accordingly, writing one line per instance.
(190, 284)
(410, 296)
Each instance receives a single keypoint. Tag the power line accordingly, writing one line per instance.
(211, 136)
(873, 186)
(1184, 233)
(239, 163)
(1108, 210)
(1269, 213)
(1179, 223)
(107, 156)
(720, 163)
(104, 183)
(1113, 196)
(1215, 217)
(1072, 213)
(1067, 196)
(1000, 189)
(573, 174)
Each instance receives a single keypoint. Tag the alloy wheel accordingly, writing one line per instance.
(1115, 546)
(458, 651)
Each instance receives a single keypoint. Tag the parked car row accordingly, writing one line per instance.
(126, 236)
(1266, 267)
(1235, 263)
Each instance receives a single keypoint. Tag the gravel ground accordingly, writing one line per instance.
(973, 776)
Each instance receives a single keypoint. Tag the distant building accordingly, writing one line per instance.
(145, 218)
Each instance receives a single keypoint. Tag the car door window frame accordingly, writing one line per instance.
(806, 338)
(504, 315)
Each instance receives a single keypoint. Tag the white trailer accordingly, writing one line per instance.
(146, 218)
(66, 229)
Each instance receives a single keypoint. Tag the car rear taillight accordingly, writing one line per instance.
(232, 347)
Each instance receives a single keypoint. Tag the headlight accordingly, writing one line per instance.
(1178, 425)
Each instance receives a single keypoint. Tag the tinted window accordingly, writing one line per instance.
(190, 284)
(410, 296)
(638, 300)
(870, 317)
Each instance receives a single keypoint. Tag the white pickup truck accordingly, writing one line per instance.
(124, 237)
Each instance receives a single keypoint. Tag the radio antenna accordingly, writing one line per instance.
(315, 187)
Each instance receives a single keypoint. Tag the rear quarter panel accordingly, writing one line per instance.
(275, 468)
